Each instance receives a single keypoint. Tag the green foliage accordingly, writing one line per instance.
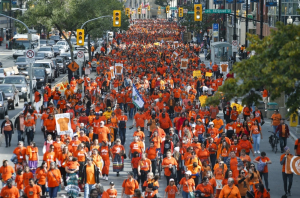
(161, 2)
(215, 100)
(274, 66)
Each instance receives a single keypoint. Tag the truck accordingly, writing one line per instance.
(21, 43)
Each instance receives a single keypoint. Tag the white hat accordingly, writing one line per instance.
(188, 172)
(81, 124)
(211, 123)
(177, 149)
(102, 123)
(193, 125)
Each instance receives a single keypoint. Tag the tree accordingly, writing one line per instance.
(161, 2)
(274, 66)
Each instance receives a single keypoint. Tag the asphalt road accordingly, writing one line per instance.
(275, 178)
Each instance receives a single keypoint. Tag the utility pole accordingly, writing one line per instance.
(279, 8)
(234, 28)
(246, 43)
(262, 18)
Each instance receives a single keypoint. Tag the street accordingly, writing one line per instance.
(275, 177)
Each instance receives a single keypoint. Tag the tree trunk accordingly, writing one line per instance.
(68, 41)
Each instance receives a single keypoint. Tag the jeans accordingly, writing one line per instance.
(153, 165)
(55, 103)
(122, 133)
(30, 136)
(53, 191)
(185, 194)
(282, 142)
(120, 105)
(256, 141)
(87, 189)
(213, 158)
(286, 177)
(125, 107)
(7, 137)
(200, 138)
(20, 135)
(274, 128)
(265, 176)
(45, 104)
(132, 112)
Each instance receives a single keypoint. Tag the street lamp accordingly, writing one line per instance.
(289, 20)
(296, 22)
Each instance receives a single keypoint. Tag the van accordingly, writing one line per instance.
(48, 65)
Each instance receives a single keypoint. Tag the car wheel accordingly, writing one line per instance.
(52, 79)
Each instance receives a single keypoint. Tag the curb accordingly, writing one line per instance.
(293, 135)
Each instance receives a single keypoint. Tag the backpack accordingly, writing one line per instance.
(261, 166)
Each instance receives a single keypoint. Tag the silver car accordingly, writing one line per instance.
(21, 62)
(3, 105)
(48, 51)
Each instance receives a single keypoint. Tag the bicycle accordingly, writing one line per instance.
(273, 140)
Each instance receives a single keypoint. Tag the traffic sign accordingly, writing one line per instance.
(80, 55)
(185, 10)
(30, 56)
(217, 11)
(73, 66)
(190, 12)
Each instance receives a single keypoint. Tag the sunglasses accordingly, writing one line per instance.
(242, 172)
(252, 166)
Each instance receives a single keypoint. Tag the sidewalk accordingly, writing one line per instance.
(3, 47)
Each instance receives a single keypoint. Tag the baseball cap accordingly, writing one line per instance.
(81, 124)
(112, 183)
(130, 173)
(211, 123)
(171, 179)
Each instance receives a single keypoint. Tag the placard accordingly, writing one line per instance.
(184, 63)
(118, 69)
(63, 124)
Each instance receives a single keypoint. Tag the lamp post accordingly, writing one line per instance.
(289, 21)
(296, 22)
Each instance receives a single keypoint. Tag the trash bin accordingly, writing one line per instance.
(271, 107)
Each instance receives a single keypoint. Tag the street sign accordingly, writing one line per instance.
(217, 11)
(30, 56)
(80, 55)
(234, 45)
(185, 11)
(73, 66)
(190, 12)
(173, 8)
(80, 48)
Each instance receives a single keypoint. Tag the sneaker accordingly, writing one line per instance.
(106, 178)
(118, 174)
(258, 152)
(289, 194)
(254, 151)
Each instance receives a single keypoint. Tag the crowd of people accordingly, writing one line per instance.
(199, 153)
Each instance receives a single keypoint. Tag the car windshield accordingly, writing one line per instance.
(39, 72)
(14, 80)
(51, 42)
(59, 60)
(45, 65)
(43, 41)
(40, 55)
(54, 37)
(6, 89)
(1, 70)
(21, 59)
(55, 48)
(21, 45)
(60, 43)
(45, 49)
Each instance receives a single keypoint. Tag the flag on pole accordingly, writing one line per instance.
(137, 99)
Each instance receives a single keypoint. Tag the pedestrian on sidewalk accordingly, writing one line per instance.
(287, 174)
(284, 133)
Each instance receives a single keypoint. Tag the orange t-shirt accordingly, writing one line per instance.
(130, 186)
(187, 185)
(33, 192)
(171, 190)
(136, 147)
(72, 165)
(6, 172)
(53, 178)
(63, 124)
(144, 164)
(166, 161)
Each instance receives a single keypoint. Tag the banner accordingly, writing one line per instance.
(63, 124)
(176, 44)
(112, 72)
(295, 165)
(208, 74)
(184, 63)
(174, 55)
(137, 99)
(224, 66)
(197, 74)
(118, 69)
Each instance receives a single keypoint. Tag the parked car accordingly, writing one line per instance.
(21, 62)
(62, 64)
(55, 63)
(21, 83)
(48, 64)
(40, 56)
(43, 42)
(47, 50)
(56, 51)
(41, 76)
(11, 94)
(3, 105)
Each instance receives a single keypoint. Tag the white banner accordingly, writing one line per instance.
(63, 124)
(118, 69)
(184, 63)
(137, 99)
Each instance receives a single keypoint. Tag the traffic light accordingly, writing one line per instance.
(158, 8)
(149, 8)
(139, 10)
(197, 12)
(80, 36)
(117, 18)
(127, 11)
(167, 9)
(180, 12)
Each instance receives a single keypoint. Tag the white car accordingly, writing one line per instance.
(64, 44)
(48, 51)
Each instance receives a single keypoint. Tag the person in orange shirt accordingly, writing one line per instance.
(56, 95)
(53, 179)
(27, 175)
(171, 189)
(105, 154)
(33, 190)
(49, 156)
(219, 124)
(112, 192)
(9, 190)
(90, 176)
(6, 172)
(50, 126)
(139, 119)
(230, 190)
(168, 163)
(29, 128)
(33, 156)
(187, 184)
(135, 146)
(144, 167)
(129, 185)
(117, 149)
